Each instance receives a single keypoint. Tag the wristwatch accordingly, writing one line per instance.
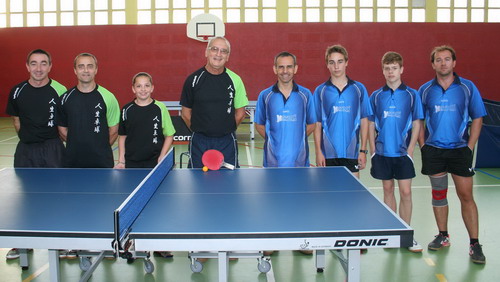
(363, 151)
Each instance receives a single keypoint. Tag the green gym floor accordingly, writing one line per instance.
(450, 264)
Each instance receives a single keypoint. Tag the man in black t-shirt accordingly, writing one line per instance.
(213, 103)
(34, 107)
(89, 119)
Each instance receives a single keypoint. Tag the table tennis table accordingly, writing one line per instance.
(220, 212)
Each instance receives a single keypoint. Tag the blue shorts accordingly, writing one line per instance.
(200, 143)
(387, 168)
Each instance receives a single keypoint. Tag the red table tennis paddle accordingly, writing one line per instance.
(214, 160)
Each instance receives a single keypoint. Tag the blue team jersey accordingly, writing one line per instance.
(340, 114)
(393, 114)
(285, 120)
(447, 112)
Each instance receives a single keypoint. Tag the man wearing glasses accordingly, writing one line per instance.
(213, 103)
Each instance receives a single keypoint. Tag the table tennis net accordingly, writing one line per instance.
(130, 209)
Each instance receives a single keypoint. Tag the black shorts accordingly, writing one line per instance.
(350, 164)
(141, 164)
(200, 143)
(456, 161)
(49, 153)
(386, 168)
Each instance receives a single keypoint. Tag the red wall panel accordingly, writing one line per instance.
(166, 53)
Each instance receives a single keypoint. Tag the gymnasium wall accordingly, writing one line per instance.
(166, 53)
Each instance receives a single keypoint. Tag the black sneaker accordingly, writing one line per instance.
(476, 254)
(439, 242)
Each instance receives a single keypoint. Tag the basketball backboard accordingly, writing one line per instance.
(203, 27)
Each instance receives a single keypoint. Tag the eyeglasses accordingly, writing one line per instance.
(216, 50)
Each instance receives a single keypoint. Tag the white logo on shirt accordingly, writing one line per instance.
(393, 114)
(290, 118)
(450, 108)
(97, 121)
(344, 109)
(155, 130)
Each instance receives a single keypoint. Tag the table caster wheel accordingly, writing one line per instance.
(149, 267)
(85, 263)
(264, 266)
(196, 266)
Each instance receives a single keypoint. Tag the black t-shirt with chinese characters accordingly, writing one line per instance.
(88, 117)
(37, 109)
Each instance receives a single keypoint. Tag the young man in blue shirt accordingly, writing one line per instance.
(342, 110)
(285, 117)
(393, 134)
(449, 102)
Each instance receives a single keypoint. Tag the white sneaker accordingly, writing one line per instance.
(416, 248)
(13, 254)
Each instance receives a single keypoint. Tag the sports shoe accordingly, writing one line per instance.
(439, 242)
(13, 254)
(476, 254)
(416, 248)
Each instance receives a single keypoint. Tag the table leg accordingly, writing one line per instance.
(320, 260)
(93, 266)
(54, 265)
(223, 266)
(353, 263)
(23, 258)
(252, 124)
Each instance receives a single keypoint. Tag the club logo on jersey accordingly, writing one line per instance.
(231, 97)
(343, 109)
(51, 113)
(289, 118)
(155, 129)
(393, 114)
(447, 108)
(97, 121)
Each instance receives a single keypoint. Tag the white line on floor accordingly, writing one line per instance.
(270, 274)
(37, 273)
(8, 139)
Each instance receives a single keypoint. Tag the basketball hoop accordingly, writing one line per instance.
(204, 27)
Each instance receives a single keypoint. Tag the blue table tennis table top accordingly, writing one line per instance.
(246, 203)
(63, 202)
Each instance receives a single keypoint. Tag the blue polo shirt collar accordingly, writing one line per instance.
(401, 87)
(276, 89)
(456, 79)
